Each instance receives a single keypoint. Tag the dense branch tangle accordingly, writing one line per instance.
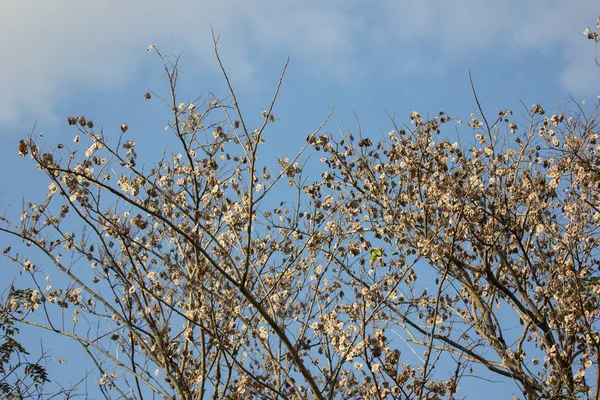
(217, 274)
(512, 221)
(177, 246)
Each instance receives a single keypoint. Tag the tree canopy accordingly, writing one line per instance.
(356, 268)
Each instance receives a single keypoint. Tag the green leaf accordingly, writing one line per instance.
(375, 254)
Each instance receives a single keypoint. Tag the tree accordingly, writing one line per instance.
(595, 36)
(21, 379)
(404, 265)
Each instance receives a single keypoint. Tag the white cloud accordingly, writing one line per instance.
(513, 27)
(50, 46)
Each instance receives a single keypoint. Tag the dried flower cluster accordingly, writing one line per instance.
(594, 36)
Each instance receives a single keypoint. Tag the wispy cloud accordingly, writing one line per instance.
(48, 46)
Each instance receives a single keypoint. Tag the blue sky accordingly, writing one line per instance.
(70, 57)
